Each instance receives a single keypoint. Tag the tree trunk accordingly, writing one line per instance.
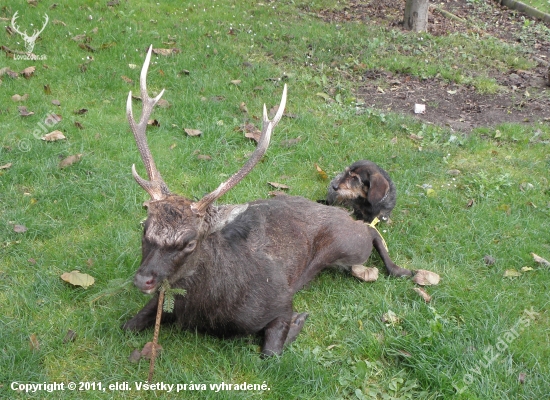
(416, 15)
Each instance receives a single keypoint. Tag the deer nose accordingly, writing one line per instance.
(146, 283)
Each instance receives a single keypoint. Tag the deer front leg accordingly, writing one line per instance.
(280, 332)
(143, 319)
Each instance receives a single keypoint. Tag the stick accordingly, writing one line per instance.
(156, 335)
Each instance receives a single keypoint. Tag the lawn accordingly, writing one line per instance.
(472, 206)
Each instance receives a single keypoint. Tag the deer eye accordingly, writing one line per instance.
(190, 246)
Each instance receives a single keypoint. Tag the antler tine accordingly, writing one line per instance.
(156, 187)
(267, 128)
(15, 28)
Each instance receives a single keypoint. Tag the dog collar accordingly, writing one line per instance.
(373, 225)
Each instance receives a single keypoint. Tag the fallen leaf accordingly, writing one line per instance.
(19, 228)
(322, 174)
(427, 298)
(153, 122)
(454, 172)
(70, 336)
(35, 345)
(56, 102)
(521, 377)
(81, 111)
(28, 72)
(9, 72)
(77, 278)
(290, 142)
(6, 166)
(526, 269)
(16, 97)
(58, 22)
(165, 52)
(126, 79)
(86, 47)
(184, 72)
(251, 132)
(204, 157)
(148, 348)
(540, 260)
(390, 318)
(236, 82)
(134, 356)
(416, 137)
(423, 278)
(274, 193)
(367, 274)
(242, 107)
(489, 260)
(78, 125)
(163, 103)
(510, 273)
(470, 203)
(24, 112)
(192, 132)
(53, 136)
(68, 161)
(324, 96)
(47, 89)
(279, 185)
(80, 38)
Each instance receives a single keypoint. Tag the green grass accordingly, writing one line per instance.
(541, 5)
(87, 216)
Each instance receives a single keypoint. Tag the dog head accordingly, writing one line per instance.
(366, 188)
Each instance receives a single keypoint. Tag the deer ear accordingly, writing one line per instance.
(378, 189)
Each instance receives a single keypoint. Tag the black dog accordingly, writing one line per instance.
(366, 188)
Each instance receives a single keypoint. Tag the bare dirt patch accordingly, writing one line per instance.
(525, 96)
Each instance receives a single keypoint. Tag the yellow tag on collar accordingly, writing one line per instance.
(373, 225)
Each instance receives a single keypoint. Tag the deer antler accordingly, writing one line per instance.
(15, 26)
(155, 186)
(267, 128)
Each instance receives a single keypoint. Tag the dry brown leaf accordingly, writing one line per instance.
(56, 102)
(279, 185)
(148, 348)
(126, 79)
(153, 122)
(70, 336)
(80, 38)
(54, 136)
(423, 278)
(165, 52)
(470, 203)
(16, 97)
(521, 377)
(28, 72)
(427, 298)
(19, 228)
(192, 132)
(6, 166)
(86, 47)
(242, 107)
(68, 161)
(204, 157)
(322, 174)
(78, 125)
(367, 274)
(9, 72)
(236, 82)
(58, 22)
(251, 132)
(134, 356)
(540, 260)
(274, 193)
(290, 142)
(81, 111)
(35, 345)
(24, 112)
(47, 89)
(77, 278)
(163, 103)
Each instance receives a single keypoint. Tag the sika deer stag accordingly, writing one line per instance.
(239, 264)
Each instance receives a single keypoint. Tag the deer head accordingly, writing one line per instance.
(176, 225)
(29, 40)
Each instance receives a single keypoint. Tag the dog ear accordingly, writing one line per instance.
(378, 189)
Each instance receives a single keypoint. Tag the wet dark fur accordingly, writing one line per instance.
(241, 269)
(365, 188)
